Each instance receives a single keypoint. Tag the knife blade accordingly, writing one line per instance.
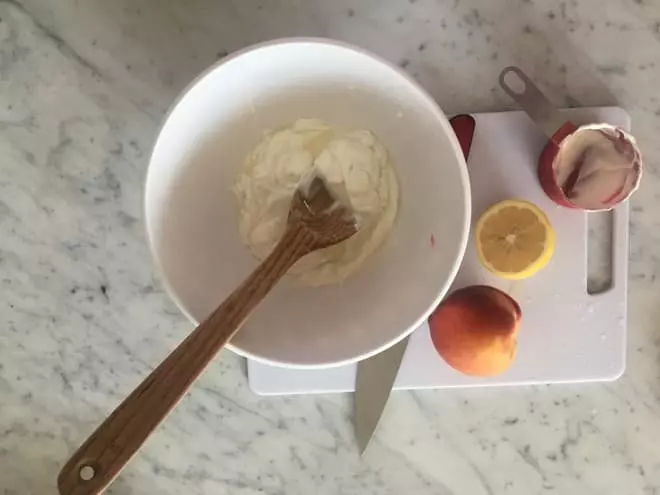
(373, 384)
(376, 375)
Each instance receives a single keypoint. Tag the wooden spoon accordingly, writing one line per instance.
(315, 221)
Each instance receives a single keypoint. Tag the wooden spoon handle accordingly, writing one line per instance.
(105, 453)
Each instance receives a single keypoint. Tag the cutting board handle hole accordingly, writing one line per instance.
(600, 251)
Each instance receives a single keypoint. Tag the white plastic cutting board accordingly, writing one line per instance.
(566, 335)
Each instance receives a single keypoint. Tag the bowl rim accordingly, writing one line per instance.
(433, 107)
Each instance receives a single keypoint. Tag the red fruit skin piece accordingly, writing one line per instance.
(546, 171)
(463, 126)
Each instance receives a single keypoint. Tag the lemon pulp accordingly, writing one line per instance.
(514, 239)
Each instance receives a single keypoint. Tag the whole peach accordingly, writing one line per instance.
(474, 330)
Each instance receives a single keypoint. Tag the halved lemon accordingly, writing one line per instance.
(514, 239)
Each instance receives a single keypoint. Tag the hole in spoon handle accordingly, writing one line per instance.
(86, 472)
(535, 104)
(82, 476)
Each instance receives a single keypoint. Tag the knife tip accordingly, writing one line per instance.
(362, 447)
(361, 439)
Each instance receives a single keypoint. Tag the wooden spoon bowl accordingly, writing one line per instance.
(316, 220)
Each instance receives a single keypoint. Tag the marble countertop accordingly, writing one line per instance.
(83, 88)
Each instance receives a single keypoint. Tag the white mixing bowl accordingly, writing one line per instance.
(191, 212)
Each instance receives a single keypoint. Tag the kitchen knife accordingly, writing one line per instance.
(376, 375)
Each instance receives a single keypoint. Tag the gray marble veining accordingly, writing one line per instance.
(83, 87)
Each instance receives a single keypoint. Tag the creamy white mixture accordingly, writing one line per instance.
(357, 169)
(598, 166)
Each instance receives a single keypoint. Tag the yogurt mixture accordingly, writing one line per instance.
(355, 166)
